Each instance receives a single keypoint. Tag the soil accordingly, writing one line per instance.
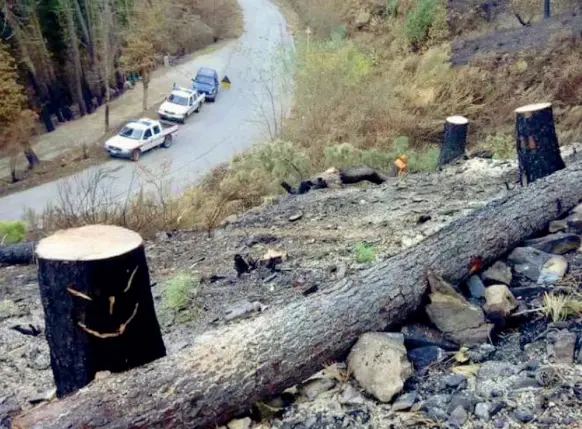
(317, 233)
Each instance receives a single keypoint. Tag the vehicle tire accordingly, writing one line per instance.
(167, 141)
(198, 108)
(135, 154)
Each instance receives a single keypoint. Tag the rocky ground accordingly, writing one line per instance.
(314, 239)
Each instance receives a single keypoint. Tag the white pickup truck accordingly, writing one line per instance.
(180, 104)
(139, 136)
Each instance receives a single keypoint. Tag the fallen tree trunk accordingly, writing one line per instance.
(228, 370)
(20, 253)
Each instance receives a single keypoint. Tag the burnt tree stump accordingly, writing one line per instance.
(536, 142)
(99, 311)
(455, 139)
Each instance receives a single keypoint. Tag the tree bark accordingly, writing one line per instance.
(99, 312)
(145, 80)
(537, 147)
(547, 9)
(455, 139)
(19, 253)
(106, 19)
(74, 45)
(229, 369)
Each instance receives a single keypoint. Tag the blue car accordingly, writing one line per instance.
(206, 82)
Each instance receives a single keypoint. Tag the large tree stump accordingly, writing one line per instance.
(227, 370)
(455, 139)
(99, 312)
(536, 142)
(19, 253)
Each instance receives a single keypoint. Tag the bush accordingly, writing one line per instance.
(419, 20)
(364, 253)
(12, 232)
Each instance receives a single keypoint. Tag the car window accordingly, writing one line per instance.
(131, 133)
(147, 134)
(191, 101)
(204, 79)
(176, 99)
(156, 130)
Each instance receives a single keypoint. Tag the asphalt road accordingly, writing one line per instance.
(238, 118)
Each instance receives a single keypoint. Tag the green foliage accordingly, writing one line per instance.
(178, 290)
(419, 20)
(12, 232)
(12, 98)
(502, 145)
(346, 155)
(364, 253)
(392, 7)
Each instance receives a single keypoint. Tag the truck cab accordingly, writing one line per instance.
(206, 82)
(180, 104)
(140, 136)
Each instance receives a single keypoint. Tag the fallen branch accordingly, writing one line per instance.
(228, 370)
(20, 253)
(345, 176)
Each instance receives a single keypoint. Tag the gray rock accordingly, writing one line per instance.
(500, 423)
(476, 287)
(242, 308)
(558, 225)
(351, 396)
(524, 415)
(244, 423)
(499, 272)
(525, 383)
(295, 217)
(553, 270)
(496, 407)
(379, 363)
(423, 357)
(404, 402)
(454, 380)
(9, 309)
(562, 346)
(492, 370)
(458, 417)
(528, 261)
(481, 353)
(482, 411)
(313, 388)
(557, 244)
(417, 335)
(467, 400)
(9, 408)
(435, 401)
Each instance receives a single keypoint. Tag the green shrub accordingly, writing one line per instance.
(365, 253)
(420, 19)
(502, 145)
(178, 290)
(392, 7)
(12, 232)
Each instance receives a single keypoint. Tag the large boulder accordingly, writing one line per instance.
(379, 363)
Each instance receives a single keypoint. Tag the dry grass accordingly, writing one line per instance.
(561, 307)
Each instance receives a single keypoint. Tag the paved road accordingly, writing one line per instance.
(230, 125)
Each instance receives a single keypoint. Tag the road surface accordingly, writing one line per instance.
(234, 122)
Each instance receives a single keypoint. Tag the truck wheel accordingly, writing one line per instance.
(135, 154)
(167, 141)
(198, 108)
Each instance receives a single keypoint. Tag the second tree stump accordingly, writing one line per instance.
(537, 147)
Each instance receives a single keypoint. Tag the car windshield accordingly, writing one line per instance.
(131, 133)
(176, 99)
(204, 79)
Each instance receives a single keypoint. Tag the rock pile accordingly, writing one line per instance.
(492, 352)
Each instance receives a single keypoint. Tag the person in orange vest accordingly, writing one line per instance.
(401, 164)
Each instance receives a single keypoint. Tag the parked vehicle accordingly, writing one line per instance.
(206, 82)
(180, 104)
(139, 136)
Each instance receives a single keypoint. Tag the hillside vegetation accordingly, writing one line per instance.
(372, 80)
